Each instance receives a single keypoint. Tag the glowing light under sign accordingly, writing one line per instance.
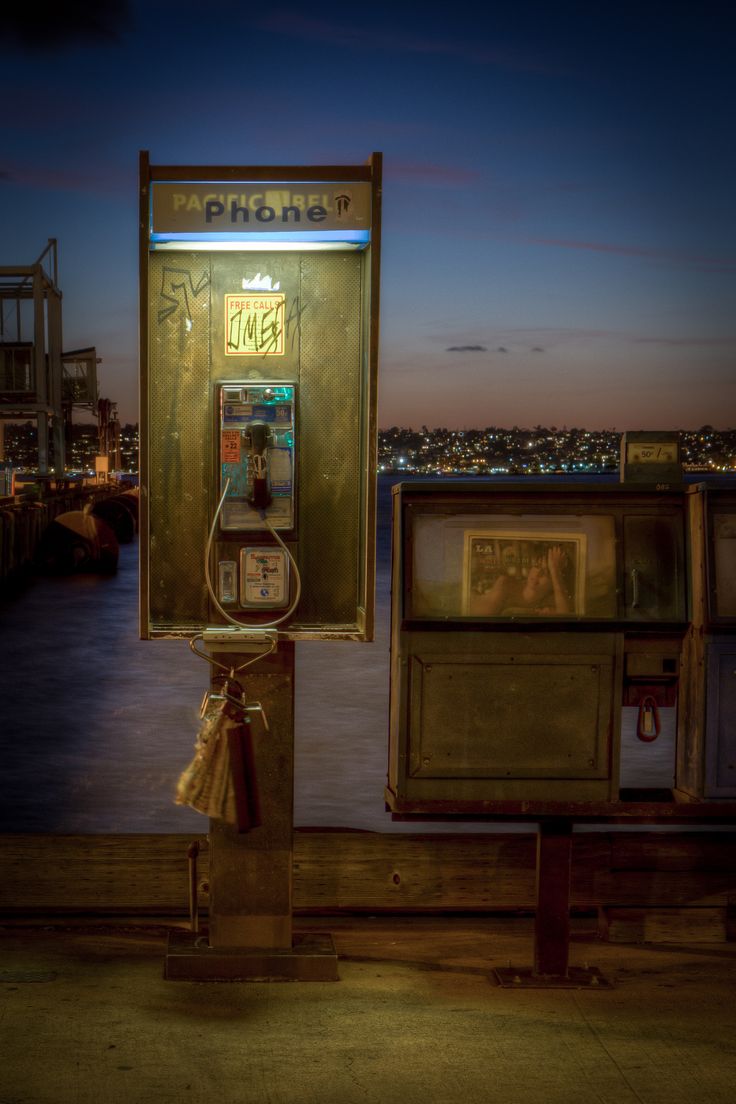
(265, 242)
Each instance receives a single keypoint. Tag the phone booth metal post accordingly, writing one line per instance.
(259, 297)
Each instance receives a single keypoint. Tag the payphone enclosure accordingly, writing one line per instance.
(258, 366)
(259, 328)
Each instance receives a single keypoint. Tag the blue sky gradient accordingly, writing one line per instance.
(559, 242)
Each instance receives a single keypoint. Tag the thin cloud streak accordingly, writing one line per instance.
(722, 264)
(294, 25)
(467, 349)
(114, 181)
(686, 342)
(423, 173)
(538, 339)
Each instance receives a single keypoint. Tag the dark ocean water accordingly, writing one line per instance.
(96, 725)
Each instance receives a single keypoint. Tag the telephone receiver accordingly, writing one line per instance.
(258, 438)
(256, 452)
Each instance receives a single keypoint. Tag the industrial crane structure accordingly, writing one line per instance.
(38, 380)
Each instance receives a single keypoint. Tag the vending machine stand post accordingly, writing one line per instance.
(551, 968)
(555, 828)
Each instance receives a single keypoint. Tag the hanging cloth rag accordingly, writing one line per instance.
(220, 780)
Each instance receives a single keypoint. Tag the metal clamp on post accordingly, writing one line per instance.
(261, 642)
(225, 638)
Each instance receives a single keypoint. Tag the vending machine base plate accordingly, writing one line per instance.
(524, 977)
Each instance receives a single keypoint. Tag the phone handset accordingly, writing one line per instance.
(257, 451)
(258, 438)
(256, 470)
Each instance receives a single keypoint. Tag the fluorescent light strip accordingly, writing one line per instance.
(277, 244)
(356, 236)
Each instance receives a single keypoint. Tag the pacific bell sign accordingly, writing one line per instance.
(184, 208)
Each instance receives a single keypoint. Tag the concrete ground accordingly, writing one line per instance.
(414, 1019)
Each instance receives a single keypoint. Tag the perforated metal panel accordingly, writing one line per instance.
(179, 435)
(329, 466)
(477, 715)
(482, 716)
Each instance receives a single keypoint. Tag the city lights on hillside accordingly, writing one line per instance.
(472, 452)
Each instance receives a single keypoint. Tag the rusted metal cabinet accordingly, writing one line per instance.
(482, 716)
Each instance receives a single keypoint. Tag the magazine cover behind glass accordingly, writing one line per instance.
(518, 574)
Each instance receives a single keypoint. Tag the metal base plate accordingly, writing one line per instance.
(524, 977)
(189, 957)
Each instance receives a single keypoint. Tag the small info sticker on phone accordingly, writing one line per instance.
(230, 446)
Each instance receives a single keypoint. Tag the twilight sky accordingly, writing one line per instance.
(559, 239)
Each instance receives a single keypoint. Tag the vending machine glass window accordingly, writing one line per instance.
(605, 563)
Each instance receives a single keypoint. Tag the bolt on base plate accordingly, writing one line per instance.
(524, 977)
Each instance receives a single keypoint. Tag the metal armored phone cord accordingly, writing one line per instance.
(210, 588)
